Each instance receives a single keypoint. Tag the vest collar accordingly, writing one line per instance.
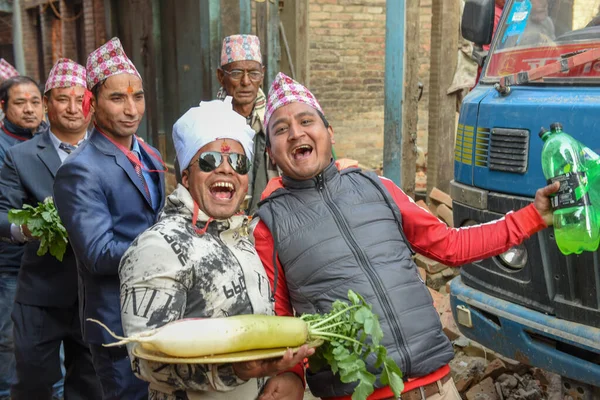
(328, 174)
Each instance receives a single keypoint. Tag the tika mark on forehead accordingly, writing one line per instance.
(130, 88)
(27, 95)
(225, 148)
(72, 92)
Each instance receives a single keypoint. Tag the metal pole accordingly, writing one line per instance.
(210, 20)
(393, 89)
(18, 50)
(245, 16)
(274, 49)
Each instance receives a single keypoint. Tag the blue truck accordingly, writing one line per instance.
(531, 303)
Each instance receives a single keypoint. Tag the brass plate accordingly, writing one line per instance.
(240, 356)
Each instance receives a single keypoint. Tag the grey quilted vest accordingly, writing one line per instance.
(341, 231)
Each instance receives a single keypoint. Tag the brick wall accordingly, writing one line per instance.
(6, 36)
(58, 37)
(94, 17)
(29, 27)
(68, 31)
(347, 63)
(346, 55)
(49, 36)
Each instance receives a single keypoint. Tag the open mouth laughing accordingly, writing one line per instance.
(302, 152)
(222, 190)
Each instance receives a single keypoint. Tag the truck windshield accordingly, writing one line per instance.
(533, 33)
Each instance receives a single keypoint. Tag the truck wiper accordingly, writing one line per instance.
(565, 63)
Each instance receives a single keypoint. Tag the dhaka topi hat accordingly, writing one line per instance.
(7, 71)
(65, 73)
(108, 60)
(284, 90)
(210, 121)
(240, 48)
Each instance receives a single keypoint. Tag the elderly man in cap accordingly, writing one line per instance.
(198, 261)
(333, 230)
(107, 192)
(241, 76)
(45, 313)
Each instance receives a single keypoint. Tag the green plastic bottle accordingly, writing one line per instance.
(591, 161)
(592, 165)
(575, 224)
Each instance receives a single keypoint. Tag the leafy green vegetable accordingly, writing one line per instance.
(352, 333)
(45, 224)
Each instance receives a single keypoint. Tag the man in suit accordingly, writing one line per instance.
(45, 312)
(108, 192)
(21, 103)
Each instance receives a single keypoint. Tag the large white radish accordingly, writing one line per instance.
(197, 337)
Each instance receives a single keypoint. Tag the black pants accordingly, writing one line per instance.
(38, 334)
(117, 379)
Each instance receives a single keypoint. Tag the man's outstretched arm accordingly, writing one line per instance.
(457, 246)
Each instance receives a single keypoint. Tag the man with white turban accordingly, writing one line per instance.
(198, 261)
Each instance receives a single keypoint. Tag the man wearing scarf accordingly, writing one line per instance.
(21, 103)
(241, 76)
(45, 313)
(108, 192)
(213, 271)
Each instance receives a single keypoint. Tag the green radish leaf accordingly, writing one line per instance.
(381, 356)
(365, 386)
(392, 376)
(47, 216)
(317, 362)
(362, 314)
(18, 217)
(44, 223)
(352, 332)
(353, 297)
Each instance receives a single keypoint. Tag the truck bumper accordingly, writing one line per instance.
(567, 348)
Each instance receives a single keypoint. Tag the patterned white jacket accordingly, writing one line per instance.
(172, 272)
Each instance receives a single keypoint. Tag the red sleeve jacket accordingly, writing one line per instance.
(427, 235)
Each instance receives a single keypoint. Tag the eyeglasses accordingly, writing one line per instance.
(211, 160)
(238, 74)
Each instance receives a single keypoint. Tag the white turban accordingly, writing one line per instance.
(212, 120)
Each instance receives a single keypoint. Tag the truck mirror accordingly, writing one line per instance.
(477, 24)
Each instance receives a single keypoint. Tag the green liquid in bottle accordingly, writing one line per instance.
(576, 225)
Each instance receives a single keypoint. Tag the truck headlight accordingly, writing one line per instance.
(515, 257)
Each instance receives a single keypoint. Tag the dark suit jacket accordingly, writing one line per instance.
(101, 202)
(27, 177)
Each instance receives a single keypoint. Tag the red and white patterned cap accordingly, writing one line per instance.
(108, 60)
(284, 90)
(65, 73)
(240, 48)
(7, 71)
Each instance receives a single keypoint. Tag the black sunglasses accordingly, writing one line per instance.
(211, 160)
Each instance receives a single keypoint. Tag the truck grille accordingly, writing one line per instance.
(482, 147)
(463, 150)
(509, 150)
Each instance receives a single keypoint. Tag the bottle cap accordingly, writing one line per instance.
(557, 126)
(543, 131)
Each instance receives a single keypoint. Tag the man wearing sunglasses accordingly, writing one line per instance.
(198, 261)
(241, 76)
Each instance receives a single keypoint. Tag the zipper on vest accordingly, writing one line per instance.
(368, 268)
